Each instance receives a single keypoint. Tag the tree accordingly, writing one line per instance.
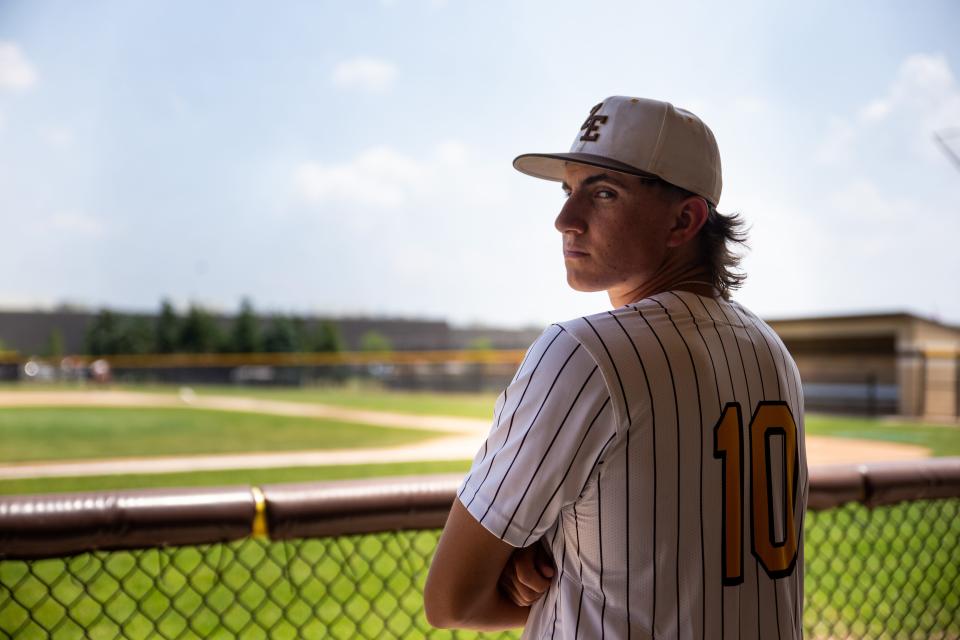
(134, 335)
(101, 338)
(111, 334)
(167, 329)
(199, 332)
(326, 337)
(301, 337)
(281, 336)
(375, 341)
(245, 333)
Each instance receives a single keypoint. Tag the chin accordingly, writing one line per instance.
(582, 285)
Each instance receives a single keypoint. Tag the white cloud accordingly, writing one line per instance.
(868, 228)
(367, 74)
(452, 152)
(76, 224)
(875, 111)
(882, 199)
(378, 177)
(924, 90)
(922, 98)
(384, 178)
(16, 72)
(863, 200)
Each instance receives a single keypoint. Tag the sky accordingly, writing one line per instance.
(355, 158)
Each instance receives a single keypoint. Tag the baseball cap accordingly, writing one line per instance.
(640, 136)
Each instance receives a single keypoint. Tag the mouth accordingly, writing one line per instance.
(571, 253)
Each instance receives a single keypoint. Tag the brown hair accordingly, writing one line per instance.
(718, 237)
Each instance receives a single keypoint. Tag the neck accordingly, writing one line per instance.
(688, 278)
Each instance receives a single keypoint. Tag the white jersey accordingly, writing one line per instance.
(657, 450)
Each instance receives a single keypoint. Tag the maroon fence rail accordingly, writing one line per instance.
(348, 559)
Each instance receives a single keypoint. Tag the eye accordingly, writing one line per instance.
(605, 194)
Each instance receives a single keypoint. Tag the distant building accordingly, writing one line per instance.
(893, 363)
(29, 332)
(873, 364)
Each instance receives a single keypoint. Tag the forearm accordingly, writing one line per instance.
(476, 605)
(493, 612)
(462, 587)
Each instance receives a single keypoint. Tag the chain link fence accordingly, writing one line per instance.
(887, 572)
(877, 571)
(365, 586)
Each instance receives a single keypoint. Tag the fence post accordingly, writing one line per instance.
(871, 394)
(956, 380)
(923, 383)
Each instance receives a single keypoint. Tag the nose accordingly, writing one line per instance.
(571, 216)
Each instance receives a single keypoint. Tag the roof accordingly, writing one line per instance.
(890, 316)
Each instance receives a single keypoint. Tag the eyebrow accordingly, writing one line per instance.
(598, 177)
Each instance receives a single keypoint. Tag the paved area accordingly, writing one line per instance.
(461, 441)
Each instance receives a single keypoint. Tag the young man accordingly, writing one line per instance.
(645, 475)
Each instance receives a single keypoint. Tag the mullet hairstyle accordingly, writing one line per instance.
(718, 237)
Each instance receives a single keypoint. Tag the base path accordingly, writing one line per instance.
(461, 442)
(188, 399)
(453, 448)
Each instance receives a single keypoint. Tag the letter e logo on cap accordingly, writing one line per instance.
(591, 124)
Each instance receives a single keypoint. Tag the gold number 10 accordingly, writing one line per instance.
(771, 418)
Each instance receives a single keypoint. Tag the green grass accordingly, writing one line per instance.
(462, 405)
(229, 477)
(367, 396)
(942, 440)
(71, 433)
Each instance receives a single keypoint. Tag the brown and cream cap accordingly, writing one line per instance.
(643, 137)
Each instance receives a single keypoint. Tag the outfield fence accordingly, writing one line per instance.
(349, 559)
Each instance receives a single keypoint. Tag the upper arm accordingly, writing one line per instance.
(554, 422)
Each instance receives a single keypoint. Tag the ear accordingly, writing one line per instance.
(690, 215)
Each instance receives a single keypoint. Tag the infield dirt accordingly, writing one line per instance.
(465, 437)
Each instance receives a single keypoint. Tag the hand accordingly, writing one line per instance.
(527, 575)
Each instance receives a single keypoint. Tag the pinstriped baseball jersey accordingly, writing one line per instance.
(657, 450)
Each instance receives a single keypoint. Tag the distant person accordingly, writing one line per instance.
(100, 371)
(645, 475)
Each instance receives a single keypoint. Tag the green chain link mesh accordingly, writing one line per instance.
(890, 572)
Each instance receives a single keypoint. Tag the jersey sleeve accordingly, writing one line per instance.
(551, 426)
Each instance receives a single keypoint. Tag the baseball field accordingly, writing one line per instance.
(67, 438)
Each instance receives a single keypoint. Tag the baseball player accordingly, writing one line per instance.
(645, 475)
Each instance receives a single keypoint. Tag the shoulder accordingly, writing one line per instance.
(555, 349)
(591, 333)
(564, 355)
(600, 332)
(605, 340)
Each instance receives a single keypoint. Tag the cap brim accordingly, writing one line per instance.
(549, 166)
